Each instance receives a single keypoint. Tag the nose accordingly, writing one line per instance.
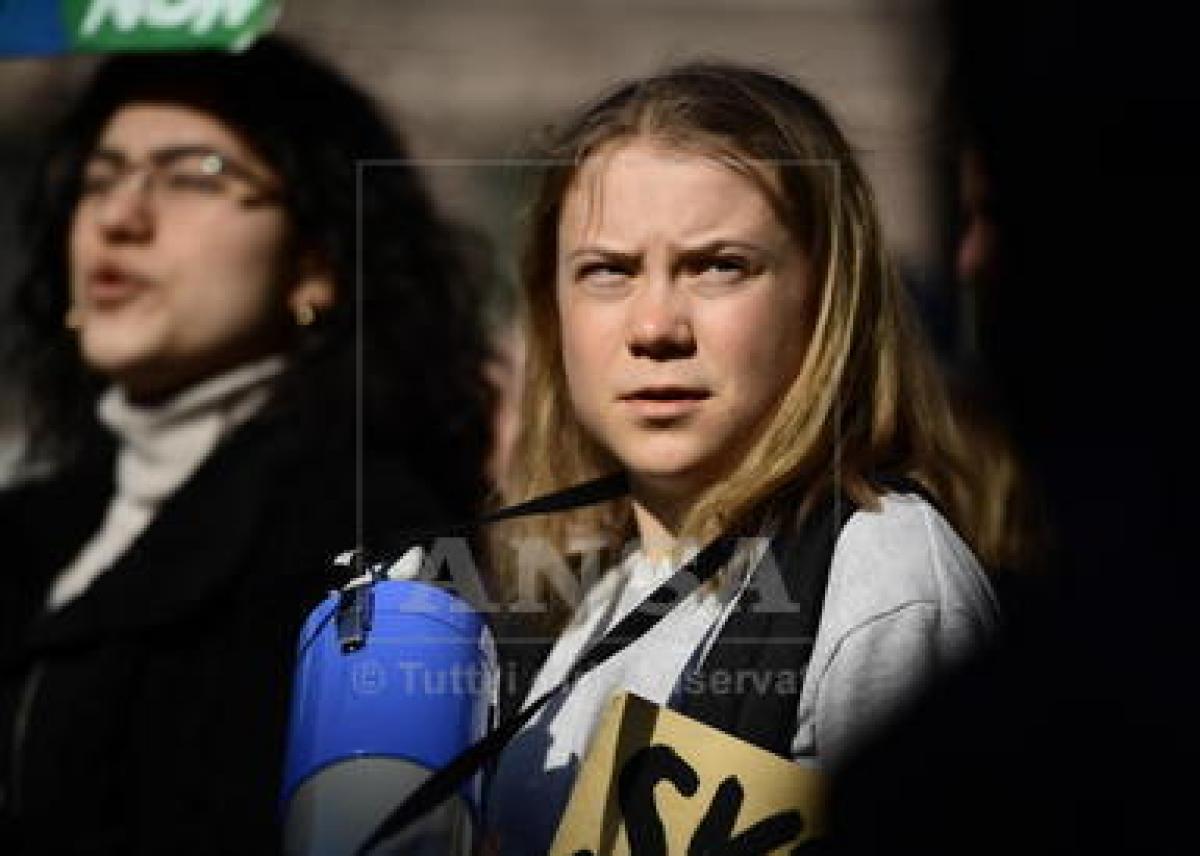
(124, 212)
(660, 325)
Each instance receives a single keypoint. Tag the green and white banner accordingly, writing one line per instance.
(31, 27)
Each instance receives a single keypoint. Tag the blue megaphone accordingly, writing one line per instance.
(393, 679)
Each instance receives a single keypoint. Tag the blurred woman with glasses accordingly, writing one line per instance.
(223, 345)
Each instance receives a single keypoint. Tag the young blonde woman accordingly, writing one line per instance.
(711, 312)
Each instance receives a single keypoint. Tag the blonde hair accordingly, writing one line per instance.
(868, 398)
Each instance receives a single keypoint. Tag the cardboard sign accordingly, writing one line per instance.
(30, 27)
(656, 783)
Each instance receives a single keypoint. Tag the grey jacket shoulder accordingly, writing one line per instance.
(906, 599)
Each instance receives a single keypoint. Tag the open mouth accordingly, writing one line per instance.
(110, 285)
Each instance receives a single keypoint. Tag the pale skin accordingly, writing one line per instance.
(682, 300)
(165, 294)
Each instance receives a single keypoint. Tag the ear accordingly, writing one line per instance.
(313, 288)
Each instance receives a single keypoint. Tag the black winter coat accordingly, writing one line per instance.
(149, 715)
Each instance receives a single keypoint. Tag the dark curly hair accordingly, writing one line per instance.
(405, 278)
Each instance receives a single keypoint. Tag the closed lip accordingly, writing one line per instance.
(665, 402)
(666, 392)
(111, 284)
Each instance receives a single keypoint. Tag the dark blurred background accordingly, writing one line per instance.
(1079, 736)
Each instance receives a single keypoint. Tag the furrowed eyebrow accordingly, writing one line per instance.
(604, 253)
(717, 246)
(709, 248)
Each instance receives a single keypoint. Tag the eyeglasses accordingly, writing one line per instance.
(177, 177)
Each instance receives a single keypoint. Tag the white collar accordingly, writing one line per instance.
(162, 444)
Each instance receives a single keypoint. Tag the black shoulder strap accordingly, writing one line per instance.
(749, 685)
